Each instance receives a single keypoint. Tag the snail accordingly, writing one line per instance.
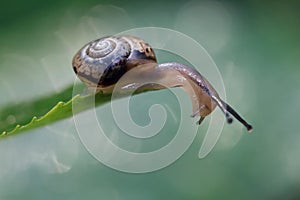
(102, 63)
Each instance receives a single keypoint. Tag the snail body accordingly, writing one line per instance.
(102, 63)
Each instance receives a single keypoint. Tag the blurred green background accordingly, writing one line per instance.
(256, 47)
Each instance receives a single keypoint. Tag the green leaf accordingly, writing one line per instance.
(26, 116)
(23, 112)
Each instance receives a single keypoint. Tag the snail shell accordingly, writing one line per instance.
(102, 62)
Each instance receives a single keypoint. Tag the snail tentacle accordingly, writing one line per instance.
(238, 117)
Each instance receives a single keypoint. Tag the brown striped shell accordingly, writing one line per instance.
(102, 62)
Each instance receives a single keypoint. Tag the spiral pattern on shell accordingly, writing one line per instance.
(109, 45)
(92, 60)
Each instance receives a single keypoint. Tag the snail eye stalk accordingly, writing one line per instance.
(237, 116)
